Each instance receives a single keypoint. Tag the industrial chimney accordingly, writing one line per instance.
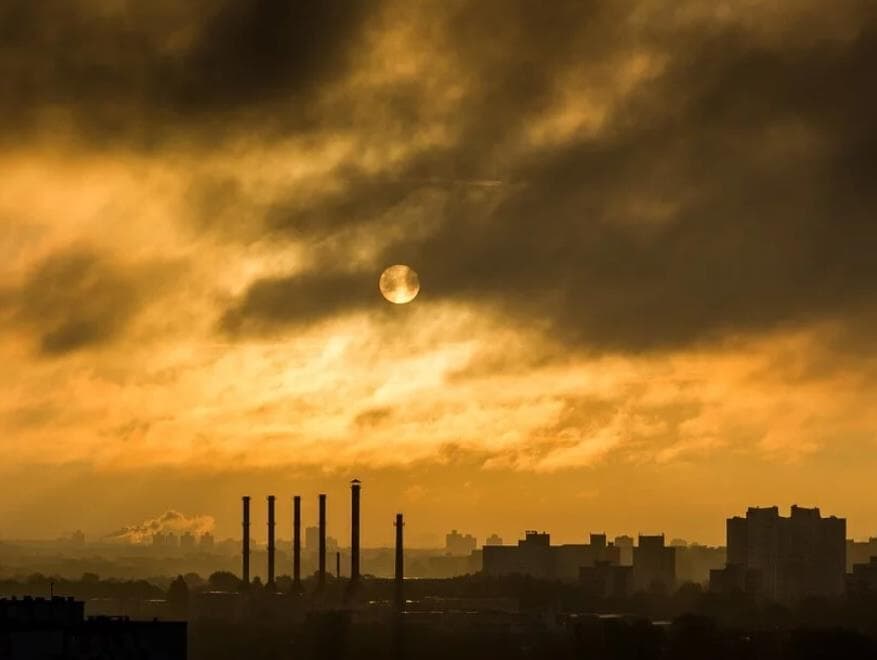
(321, 574)
(296, 542)
(270, 583)
(355, 486)
(400, 562)
(245, 543)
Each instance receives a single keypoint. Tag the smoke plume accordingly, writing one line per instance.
(169, 521)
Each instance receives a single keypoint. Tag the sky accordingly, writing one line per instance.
(644, 232)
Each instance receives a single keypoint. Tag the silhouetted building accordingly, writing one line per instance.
(654, 564)
(735, 578)
(459, 544)
(187, 541)
(56, 612)
(802, 555)
(694, 562)
(493, 539)
(531, 556)
(860, 552)
(312, 541)
(624, 544)
(446, 566)
(863, 578)
(606, 580)
(535, 556)
(206, 541)
(569, 558)
(56, 628)
(165, 540)
(312, 536)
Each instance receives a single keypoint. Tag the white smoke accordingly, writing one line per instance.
(169, 521)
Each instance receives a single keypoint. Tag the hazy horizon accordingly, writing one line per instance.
(429, 514)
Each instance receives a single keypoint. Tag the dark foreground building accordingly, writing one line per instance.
(37, 628)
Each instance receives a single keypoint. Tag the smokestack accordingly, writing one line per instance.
(245, 543)
(321, 574)
(296, 541)
(354, 530)
(338, 564)
(271, 521)
(400, 562)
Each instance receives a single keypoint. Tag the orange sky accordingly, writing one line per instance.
(644, 238)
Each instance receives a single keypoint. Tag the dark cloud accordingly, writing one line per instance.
(143, 73)
(77, 299)
(729, 193)
(373, 417)
(299, 300)
(318, 215)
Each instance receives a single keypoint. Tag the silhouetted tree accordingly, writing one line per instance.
(284, 584)
(193, 580)
(178, 597)
(224, 581)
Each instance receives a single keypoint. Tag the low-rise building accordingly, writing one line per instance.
(535, 556)
(57, 628)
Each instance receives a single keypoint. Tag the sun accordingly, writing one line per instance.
(399, 284)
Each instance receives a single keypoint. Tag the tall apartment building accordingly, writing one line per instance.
(654, 564)
(461, 545)
(802, 555)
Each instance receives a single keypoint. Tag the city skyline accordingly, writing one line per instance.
(175, 525)
(429, 329)
(766, 555)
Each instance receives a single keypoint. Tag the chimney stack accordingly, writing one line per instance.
(296, 542)
(400, 563)
(355, 486)
(321, 574)
(245, 543)
(270, 583)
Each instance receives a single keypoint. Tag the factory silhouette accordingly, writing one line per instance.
(773, 591)
(321, 542)
(784, 559)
